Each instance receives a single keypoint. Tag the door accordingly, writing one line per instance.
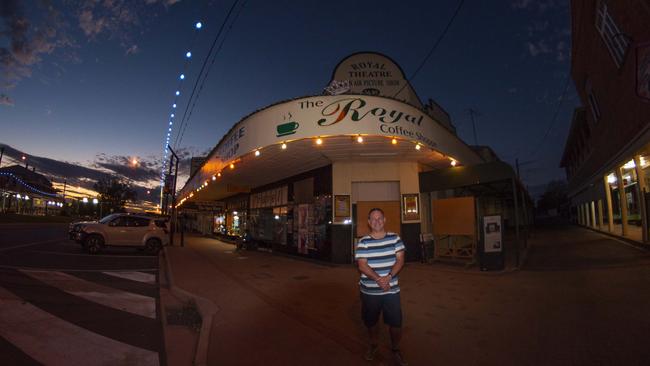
(116, 231)
(136, 229)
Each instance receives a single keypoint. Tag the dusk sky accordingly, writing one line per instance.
(94, 84)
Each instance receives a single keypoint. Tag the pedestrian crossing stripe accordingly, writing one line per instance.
(107, 296)
(134, 276)
(53, 341)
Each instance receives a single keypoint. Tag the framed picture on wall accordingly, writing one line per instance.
(341, 207)
(411, 207)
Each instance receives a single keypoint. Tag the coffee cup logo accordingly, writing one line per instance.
(288, 128)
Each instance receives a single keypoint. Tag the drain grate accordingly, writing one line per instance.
(187, 315)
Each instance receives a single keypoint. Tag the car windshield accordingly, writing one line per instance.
(108, 218)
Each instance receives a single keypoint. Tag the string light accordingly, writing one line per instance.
(33, 189)
(177, 93)
(232, 166)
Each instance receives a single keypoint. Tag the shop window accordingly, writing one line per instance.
(617, 42)
(630, 183)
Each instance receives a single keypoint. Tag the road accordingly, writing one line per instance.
(59, 305)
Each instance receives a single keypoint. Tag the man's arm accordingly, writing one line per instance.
(384, 282)
(362, 265)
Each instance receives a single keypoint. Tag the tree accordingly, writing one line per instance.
(114, 193)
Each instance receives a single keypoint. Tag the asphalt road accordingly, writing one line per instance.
(59, 305)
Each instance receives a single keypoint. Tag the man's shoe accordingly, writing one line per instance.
(399, 360)
(371, 352)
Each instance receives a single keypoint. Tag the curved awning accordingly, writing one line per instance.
(338, 121)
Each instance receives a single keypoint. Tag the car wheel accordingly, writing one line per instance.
(94, 244)
(153, 245)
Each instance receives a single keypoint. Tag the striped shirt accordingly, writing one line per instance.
(381, 256)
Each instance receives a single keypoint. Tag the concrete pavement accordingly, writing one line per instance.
(276, 310)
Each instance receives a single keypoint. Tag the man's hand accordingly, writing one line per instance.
(384, 282)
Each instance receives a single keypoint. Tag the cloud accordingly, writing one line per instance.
(537, 48)
(89, 25)
(521, 4)
(49, 29)
(132, 50)
(6, 100)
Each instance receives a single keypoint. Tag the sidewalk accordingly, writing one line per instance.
(259, 296)
(279, 310)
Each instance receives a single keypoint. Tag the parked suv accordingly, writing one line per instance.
(124, 230)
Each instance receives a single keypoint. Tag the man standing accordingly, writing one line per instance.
(380, 258)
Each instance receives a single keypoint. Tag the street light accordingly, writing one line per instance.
(95, 201)
(84, 200)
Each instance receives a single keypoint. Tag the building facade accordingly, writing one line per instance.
(607, 152)
(300, 176)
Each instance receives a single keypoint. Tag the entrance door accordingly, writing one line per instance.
(384, 195)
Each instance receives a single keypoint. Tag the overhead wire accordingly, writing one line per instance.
(433, 48)
(191, 103)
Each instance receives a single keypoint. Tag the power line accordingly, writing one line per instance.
(179, 138)
(555, 114)
(190, 106)
(435, 45)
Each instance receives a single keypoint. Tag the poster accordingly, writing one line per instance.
(341, 207)
(410, 207)
(492, 237)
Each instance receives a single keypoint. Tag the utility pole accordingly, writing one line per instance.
(473, 112)
(173, 164)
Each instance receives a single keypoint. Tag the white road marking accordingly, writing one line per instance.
(30, 244)
(134, 276)
(53, 341)
(103, 255)
(75, 269)
(116, 299)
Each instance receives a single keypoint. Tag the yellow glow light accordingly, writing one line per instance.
(214, 178)
(257, 153)
(284, 146)
(219, 174)
(232, 166)
(394, 142)
(417, 147)
(453, 162)
(360, 139)
(319, 141)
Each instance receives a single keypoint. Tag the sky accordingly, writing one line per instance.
(92, 82)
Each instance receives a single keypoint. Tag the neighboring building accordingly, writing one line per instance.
(607, 152)
(25, 191)
(300, 176)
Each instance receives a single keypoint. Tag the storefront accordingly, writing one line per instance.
(299, 176)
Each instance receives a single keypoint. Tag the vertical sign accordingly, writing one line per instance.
(492, 238)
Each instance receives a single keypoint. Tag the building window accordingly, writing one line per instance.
(616, 41)
(593, 101)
